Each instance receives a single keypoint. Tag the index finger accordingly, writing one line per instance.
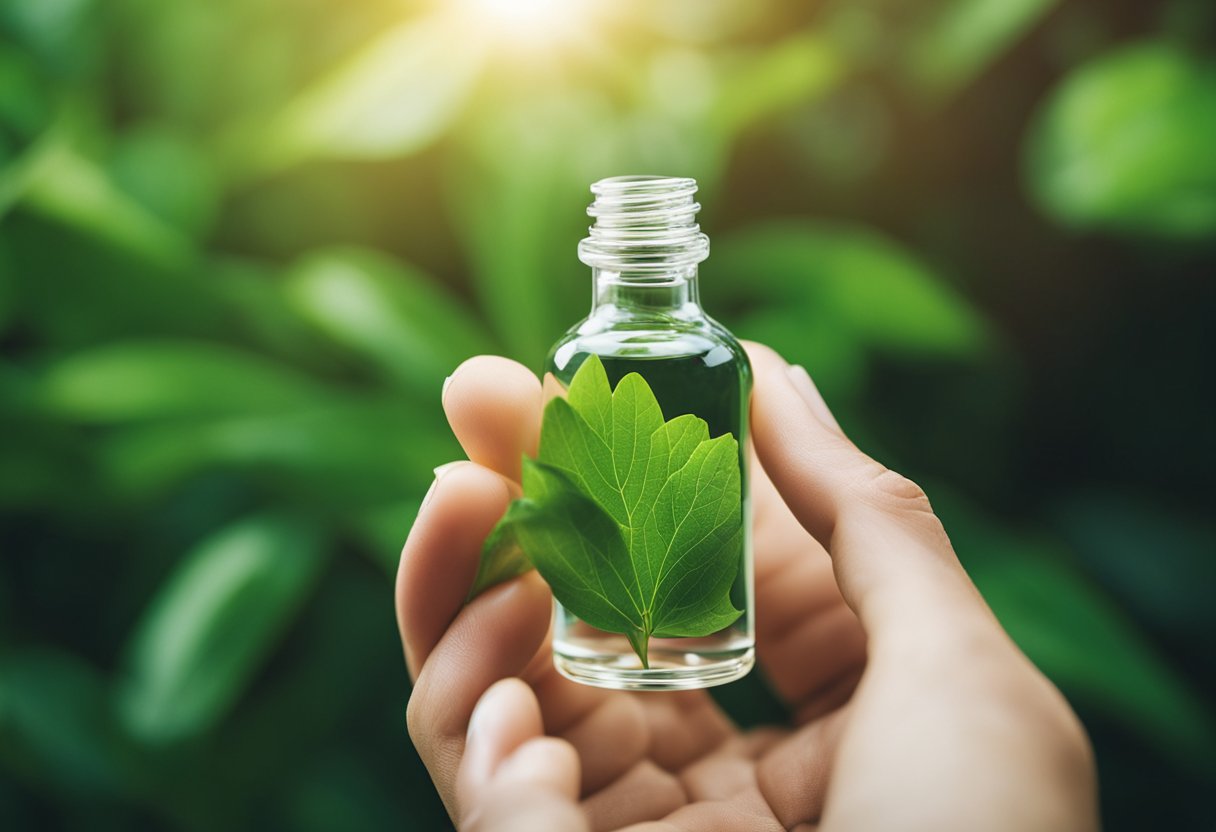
(494, 407)
(891, 557)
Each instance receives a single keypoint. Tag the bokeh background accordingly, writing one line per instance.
(242, 242)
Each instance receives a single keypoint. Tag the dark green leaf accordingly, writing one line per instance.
(56, 723)
(1077, 636)
(203, 636)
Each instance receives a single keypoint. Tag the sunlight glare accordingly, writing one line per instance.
(535, 19)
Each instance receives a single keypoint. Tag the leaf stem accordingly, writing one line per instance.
(639, 640)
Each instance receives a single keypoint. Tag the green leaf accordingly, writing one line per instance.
(338, 457)
(848, 281)
(392, 97)
(202, 638)
(63, 34)
(1076, 635)
(56, 723)
(636, 523)
(155, 379)
(962, 37)
(521, 258)
(503, 557)
(787, 74)
(577, 548)
(165, 172)
(397, 317)
(76, 190)
(31, 124)
(1125, 143)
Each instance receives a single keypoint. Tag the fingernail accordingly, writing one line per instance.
(439, 472)
(443, 394)
(806, 388)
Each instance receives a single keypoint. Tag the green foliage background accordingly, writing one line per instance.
(242, 242)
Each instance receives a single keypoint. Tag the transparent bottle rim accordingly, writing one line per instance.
(644, 224)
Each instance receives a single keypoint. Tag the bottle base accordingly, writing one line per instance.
(669, 670)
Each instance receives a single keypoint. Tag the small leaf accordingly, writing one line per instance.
(1125, 143)
(502, 556)
(200, 641)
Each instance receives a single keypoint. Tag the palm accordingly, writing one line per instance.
(676, 756)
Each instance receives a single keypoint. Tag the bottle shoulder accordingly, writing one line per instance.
(647, 339)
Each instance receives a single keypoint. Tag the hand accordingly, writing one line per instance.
(912, 708)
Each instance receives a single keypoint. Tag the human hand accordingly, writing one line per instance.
(912, 708)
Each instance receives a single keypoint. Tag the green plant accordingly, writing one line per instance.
(243, 242)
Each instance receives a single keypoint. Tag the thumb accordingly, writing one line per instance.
(512, 777)
(892, 558)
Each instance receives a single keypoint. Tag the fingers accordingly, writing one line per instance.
(441, 554)
(793, 773)
(494, 407)
(494, 637)
(807, 638)
(892, 560)
(645, 792)
(512, 777)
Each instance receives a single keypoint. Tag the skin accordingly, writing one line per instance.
(913, 709)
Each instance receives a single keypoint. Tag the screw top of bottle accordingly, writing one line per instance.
(644, 224)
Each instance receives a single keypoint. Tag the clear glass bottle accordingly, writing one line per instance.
(646, 317)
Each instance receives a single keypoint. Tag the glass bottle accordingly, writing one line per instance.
(646, 318)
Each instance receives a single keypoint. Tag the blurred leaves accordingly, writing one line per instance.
(957, 40)
(54, 31)
(206, 632)
(395, 95)
(824, 294)
(127, 381)
(1076, 634)
(1125, 143)
(792, 72)
(168, 175)
(79, 191)
(56, 720)
(391, 314)
(28, 114)
(1156, 559)
(242, 242)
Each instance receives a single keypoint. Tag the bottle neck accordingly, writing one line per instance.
(629, 295)
(644, 248)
